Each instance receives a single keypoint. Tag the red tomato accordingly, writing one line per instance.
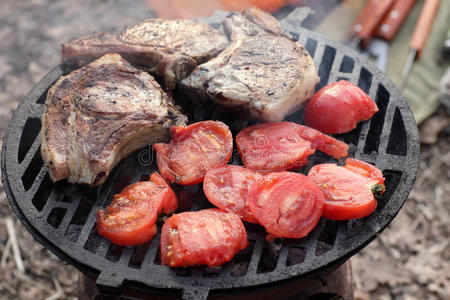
(131, 217)
(348, 190)
(287, 204)
(273, 146)
(227, 188)
(193, 150)
(206, 237)
(278, 146)
(323, 142)
(338, 107)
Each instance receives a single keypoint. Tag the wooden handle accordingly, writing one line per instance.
(423, 25)
(370, 23)
(365, 13)
(389, 26)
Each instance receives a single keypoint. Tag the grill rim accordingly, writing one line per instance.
(209, 283)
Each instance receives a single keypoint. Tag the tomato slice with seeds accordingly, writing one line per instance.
(193, 150)
(206, 237)
(338, 107)
(273, 146)
(227, 188)
(287, 204)
(131, 217)
(280, 146)
(349, 190)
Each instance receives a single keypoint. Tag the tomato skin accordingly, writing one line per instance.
(287, 204)
(131, 217)
(206, 237)
(273, 146)
(348, 192)
(227, 188)
(193, 150)
(338, 107)
(282, 146)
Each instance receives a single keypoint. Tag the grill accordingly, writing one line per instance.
(62, 216)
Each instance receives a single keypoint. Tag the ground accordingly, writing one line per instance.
(409, 260)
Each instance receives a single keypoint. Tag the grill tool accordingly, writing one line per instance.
(62, 216)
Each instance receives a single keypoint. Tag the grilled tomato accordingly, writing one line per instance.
(206, 237)
(227, 188)
(131, 217)
(338, 107)
(349, 190)
(278, 146)
(193, 150)
(287, 204)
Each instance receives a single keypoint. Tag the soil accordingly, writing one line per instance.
(409, 260)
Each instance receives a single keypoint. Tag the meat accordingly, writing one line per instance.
(99, 114)
(263, 74)
(170, 49)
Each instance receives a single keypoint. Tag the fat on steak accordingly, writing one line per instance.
(263, 74)
(99, 114)
(170, 49)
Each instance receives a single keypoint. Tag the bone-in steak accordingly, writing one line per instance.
(263, 74)
(99, 114)
(170, 49)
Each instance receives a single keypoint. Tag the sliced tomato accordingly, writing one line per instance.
(206, 237)
(278, 146)
(193, 150)
(338, 107)
(287, 204)
(131, 217)
(348, 190)
(227, 188)
(273, 146)
(323, 142)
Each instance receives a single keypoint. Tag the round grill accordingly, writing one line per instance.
(62, 216)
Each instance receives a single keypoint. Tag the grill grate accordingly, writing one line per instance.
(63, 216)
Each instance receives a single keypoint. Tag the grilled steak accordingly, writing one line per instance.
(99, 114)
(263, 74)
(170, 49)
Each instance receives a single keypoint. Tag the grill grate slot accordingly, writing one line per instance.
(325, 66)
(296, 255)
(114, 252)
(32, 171)
(397, 138)
(30, 132)
(311, 46)
(365, 80)
(56, 216)
(376, 124)
(327, 237)
(43, 193)
(93, 242)
(242, 260)
(392, 180)
(138, 255)
(269, 257)
(81, 215)
(347, 64)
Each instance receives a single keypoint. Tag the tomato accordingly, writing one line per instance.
(206, 237)
(338, 107)
(278, 146)
(273, 146)
(348, 190)
(287, 204)
(323, 142)
(227, 188)
(131, 217)
(193, 150)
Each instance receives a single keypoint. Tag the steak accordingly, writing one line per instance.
(99, 114)
(263, 74)
(170, 49)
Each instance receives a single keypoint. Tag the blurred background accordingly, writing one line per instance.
(410, 260)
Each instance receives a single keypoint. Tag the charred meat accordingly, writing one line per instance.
(170, 49)
(263, 74)
(99, 114)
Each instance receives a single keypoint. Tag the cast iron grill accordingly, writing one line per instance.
(62, 216)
